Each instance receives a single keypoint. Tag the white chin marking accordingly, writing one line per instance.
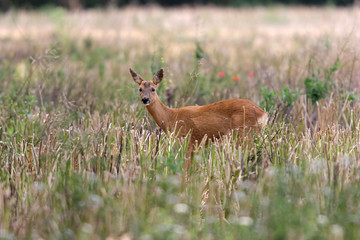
(146, 104)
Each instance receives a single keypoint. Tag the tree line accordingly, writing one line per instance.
(84, 4)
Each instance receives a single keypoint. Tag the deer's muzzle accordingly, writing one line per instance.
(146, 101)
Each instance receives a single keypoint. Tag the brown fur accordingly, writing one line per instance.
(212, 120)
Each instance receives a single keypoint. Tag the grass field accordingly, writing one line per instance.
(82, 159)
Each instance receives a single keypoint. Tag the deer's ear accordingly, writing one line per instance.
(158, 77)
(137, 78)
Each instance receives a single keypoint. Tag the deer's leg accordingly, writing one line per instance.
(189, 155)
(187, 162)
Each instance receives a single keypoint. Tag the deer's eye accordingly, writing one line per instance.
(140, 89)
(153, 89)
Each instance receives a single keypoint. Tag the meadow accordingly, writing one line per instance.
(82, 159)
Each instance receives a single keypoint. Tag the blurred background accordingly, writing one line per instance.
(81, 4)
(80, 42)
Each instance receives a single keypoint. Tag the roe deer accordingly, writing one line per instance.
(211, 121)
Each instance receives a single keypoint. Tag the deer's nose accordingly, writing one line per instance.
(146, 101)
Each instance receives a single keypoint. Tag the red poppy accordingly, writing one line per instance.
(236, 78)
(221, 74)
(251, 74)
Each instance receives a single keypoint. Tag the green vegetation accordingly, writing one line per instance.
(82, 159)
(286, 97)
(317, 89)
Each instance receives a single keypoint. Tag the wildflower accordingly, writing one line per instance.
(251, 75)
(337, 231)
(221, 74)
(322, 220)
(246, 221)
(181, 208)
(236, 78)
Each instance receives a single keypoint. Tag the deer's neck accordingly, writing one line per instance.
(162, 115)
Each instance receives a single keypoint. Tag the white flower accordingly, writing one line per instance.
(245, 221)
(337, 231)
(181, 208)
(322, 220)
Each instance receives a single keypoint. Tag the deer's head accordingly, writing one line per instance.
(147, 89)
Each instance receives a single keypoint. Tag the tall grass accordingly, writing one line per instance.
(81, 158)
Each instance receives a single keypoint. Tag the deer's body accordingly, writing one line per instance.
(212, 120)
